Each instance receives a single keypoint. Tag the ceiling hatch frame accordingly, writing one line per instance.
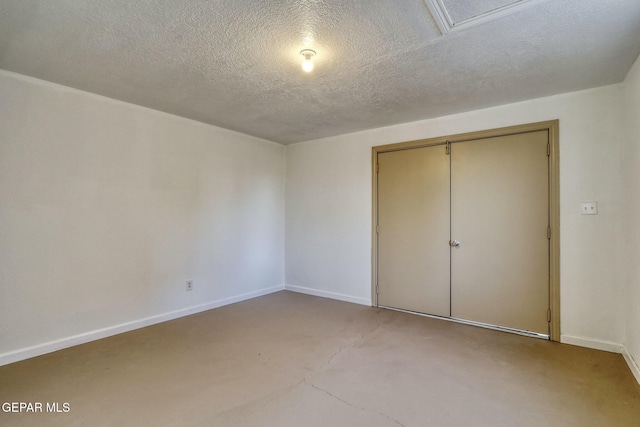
(446, 24)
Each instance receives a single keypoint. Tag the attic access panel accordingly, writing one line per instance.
(453, 14)
(463, 11)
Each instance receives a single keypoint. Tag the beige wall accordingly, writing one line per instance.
(106, 209)
(328, 207)
(631, 108)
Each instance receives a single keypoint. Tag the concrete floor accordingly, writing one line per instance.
(288, 359)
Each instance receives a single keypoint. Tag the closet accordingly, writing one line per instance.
(463, 228)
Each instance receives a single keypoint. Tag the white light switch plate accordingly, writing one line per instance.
(589, 208)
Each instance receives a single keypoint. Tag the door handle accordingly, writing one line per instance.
(454, 243)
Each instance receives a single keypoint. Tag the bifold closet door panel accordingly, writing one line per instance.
(413, 233)
(499, 214)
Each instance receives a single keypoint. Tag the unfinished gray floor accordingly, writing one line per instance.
(295, 360)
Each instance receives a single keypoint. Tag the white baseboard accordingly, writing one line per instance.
(591, 343)
(633, 365)
(51, 346)
(327, 294)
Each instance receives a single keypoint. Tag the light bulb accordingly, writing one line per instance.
(307, 64)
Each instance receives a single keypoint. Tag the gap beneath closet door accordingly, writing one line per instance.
(472, 323)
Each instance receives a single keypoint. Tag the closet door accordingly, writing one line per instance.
(499, 216)
(413, 230)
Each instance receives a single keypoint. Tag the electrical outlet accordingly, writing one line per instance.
(189, 285)
(589, 208)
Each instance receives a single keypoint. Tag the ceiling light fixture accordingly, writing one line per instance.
(307, 64)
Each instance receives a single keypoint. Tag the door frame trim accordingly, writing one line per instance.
(552, 127)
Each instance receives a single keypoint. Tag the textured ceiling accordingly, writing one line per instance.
(236, 63)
